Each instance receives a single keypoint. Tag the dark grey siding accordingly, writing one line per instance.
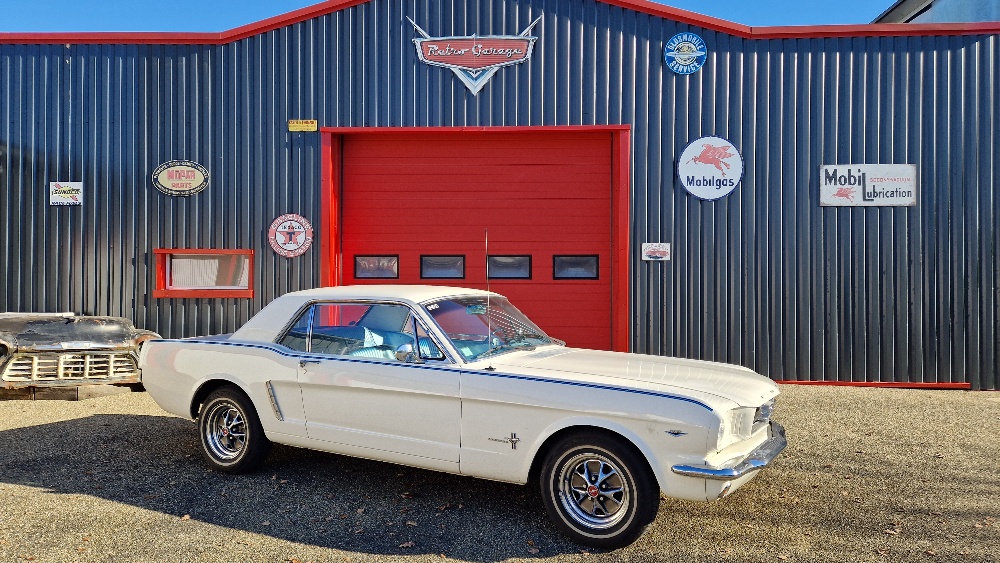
(765, 277)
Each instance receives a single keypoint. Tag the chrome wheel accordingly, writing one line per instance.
(225, 431)
(592, 491)
(231, 434)
(598, 489)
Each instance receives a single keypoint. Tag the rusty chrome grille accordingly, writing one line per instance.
(69, 366)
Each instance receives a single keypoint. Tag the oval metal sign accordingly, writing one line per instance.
(180, 177)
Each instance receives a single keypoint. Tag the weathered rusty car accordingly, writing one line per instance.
(40, 350)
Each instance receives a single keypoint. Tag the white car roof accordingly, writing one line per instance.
(266, 325)
(411, 293)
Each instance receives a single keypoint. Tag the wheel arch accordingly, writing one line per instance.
(205, 388)
(584, 426)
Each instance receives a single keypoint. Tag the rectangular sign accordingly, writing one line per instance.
(65, 193)
(868, 185)
(303, 125)
(656, 251)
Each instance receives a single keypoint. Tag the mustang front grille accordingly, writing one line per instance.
(69, 367)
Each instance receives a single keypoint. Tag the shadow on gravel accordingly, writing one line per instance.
(326, 500)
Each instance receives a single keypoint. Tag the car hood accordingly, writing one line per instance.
(38, 333)
(735, 383)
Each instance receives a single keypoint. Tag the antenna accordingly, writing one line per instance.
(489, 323)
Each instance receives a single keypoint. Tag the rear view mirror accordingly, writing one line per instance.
(404, 353)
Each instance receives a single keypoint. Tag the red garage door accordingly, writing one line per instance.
(423, 201)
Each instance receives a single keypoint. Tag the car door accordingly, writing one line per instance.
(356, 393)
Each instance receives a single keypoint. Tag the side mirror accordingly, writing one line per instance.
(405, 353)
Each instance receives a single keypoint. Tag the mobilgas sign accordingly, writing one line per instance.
(472, 58)
(868, 185)
(710, 168)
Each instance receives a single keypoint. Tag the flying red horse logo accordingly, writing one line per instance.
(714, 156)
(846, 193)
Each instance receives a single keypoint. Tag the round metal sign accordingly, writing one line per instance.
(290, 235)
(710, 168)
(180, 177)
(685, 53)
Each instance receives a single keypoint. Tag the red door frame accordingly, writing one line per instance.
(331, 261)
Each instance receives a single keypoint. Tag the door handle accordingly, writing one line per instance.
(303, 363)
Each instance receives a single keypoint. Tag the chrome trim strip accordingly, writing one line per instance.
(274, 402)
(282, 351)
(758, 459)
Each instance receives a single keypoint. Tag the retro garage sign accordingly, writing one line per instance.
(475, 59)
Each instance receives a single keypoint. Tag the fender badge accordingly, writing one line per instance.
(513, 440)
(675, 433)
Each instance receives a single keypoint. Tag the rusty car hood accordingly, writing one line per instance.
(27, 332)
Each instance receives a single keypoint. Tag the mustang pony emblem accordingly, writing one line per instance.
(513, 440)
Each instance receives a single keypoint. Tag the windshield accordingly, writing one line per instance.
(468, 320)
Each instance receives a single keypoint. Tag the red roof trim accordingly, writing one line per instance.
(643, 6)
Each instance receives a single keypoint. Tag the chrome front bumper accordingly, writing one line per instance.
(757, 459)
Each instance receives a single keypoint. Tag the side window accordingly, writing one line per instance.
(298, 337)
(360, 330)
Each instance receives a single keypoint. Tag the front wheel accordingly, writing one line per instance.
(598, 490)
(231, 435)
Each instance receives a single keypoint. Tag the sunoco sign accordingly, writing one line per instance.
(868, 185)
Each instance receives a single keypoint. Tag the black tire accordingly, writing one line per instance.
(598, 490)
(232, 438)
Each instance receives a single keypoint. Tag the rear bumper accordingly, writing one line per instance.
(759, 458)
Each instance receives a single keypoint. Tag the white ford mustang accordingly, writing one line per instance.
(459, 380)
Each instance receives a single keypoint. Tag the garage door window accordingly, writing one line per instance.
(509, 267)
(575, 267)
(203, 272)
(442, 267)
(377, 267)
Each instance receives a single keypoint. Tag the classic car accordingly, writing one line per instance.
(459, 380)
(63, 349)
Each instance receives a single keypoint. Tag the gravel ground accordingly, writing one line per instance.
(869, 475)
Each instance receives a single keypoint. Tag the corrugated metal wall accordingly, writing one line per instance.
(765, 277)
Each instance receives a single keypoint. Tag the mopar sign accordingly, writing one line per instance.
(868, 185)
(472, 58)
(180, 178)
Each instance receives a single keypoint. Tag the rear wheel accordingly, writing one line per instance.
(598, 490)
(231, 435)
